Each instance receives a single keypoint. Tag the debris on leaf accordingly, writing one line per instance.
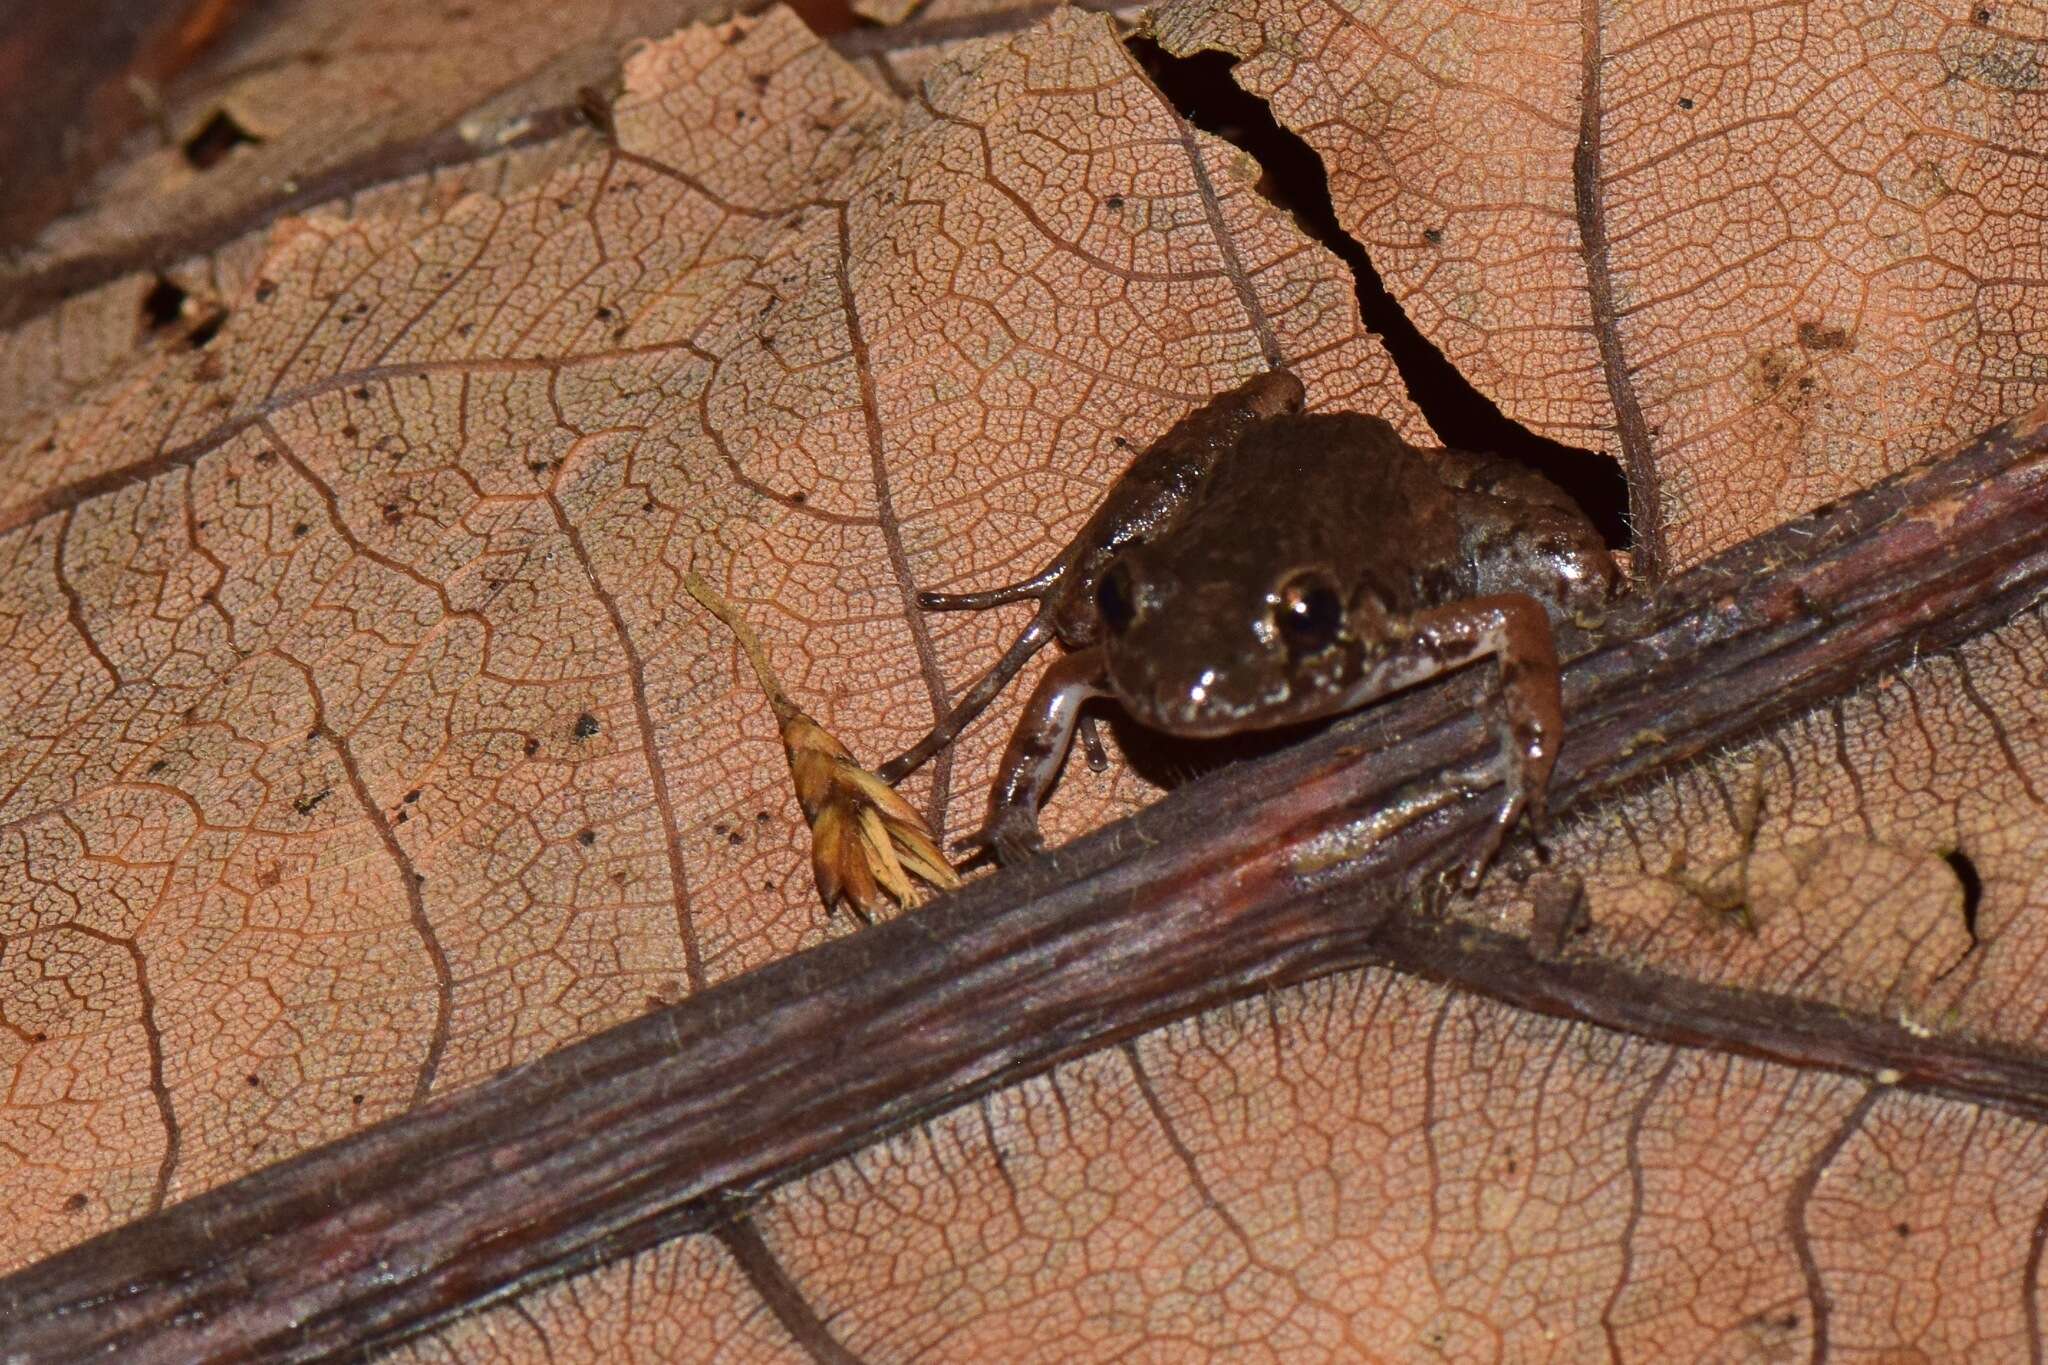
(865, 839)
(885, 11)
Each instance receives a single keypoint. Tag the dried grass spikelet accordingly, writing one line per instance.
(865, 839)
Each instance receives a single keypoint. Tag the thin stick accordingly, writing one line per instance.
(757, 655)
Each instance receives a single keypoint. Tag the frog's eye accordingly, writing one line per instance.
(1114, 597)
(1310, 615)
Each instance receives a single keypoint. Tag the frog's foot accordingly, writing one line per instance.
(1519, 801)
(1011, 834)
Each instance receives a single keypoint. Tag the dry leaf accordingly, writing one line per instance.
(365, 742)
(1758, 255)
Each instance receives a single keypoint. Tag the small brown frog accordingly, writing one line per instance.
(1259, 566)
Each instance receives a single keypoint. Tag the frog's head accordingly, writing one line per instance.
(1210, 648)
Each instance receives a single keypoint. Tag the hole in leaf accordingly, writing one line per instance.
(217, 137)
(1202, 88)
(206, 329)
(1973, 887)
(163, 305)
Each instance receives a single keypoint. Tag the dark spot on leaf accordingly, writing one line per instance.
(1115, 201)
(800, 497)
(1120, 442)
(1433, 235)
(216, 137)
(1982, 16)
(392, 515)
(412, 796)
(266, 290)
(1903, 1229)
(159, 766)
(1685, 101)
(762, 817)
(1772, 368)
(532, 746)
(1815, 337)
(719, 828)
(299, 528)
(586, 726)
(253, 1082)
(75, 1203)
(355, 1099)
(735, 838)
(586, 837)
(362, 391)
(39, 1037)
(304, 804)
(264, 457)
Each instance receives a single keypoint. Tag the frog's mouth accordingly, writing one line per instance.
(1207, 706)
(1216, 703)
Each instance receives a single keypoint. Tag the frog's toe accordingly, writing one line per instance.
(1482, 857)
(1515, 804)
(1012, 835)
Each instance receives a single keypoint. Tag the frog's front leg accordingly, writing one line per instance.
(1528, 711)
(1032, 758)
(1034, 638)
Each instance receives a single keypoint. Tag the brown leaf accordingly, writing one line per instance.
(319, 103)
(1757, 255)
(366, 742)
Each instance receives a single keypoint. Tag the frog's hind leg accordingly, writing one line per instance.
(1034, 638)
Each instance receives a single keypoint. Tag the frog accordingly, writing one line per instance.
(1260, 566)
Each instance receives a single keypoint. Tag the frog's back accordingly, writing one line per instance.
(1341, 490)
